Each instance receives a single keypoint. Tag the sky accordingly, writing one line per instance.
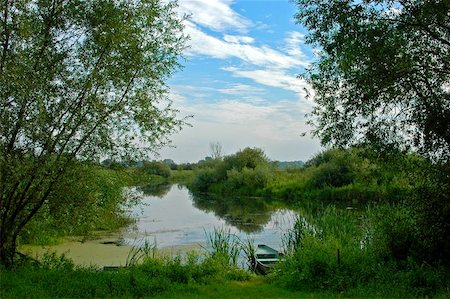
(239, 81)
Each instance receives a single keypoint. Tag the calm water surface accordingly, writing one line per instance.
(175, 217)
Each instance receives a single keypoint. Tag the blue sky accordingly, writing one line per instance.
(240, 81)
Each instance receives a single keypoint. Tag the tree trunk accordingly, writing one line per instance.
(8, 246)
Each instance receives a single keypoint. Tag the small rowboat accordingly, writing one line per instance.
(266, 257)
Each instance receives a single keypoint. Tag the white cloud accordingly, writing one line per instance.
(204, 44)
(237, 39)
(236, 125)
(246, 117)
(214, 14)
(293, 42)
(241, 89)
(274, 78)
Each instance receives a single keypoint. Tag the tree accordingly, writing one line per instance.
(215, 150)
(78, 80)
(383, 78)
(383, 73)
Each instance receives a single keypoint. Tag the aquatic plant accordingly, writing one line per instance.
(224, 244)
(292, 239)
(141, 250)
(249, 248)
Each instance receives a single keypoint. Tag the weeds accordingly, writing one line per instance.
(140, 251)
(249, 248)
(224, 244)
(291, 241)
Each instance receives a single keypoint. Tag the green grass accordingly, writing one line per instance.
(153, 280)
(256, 287)
(196, 276)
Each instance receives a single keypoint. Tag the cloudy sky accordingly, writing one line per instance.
(239, 81)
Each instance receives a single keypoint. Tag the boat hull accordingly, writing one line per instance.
(265, 258)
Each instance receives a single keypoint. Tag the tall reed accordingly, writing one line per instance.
(139, 251)
(249, 248)
(224, 244)
(291, 241)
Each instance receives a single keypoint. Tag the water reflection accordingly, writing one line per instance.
(158, 190)
(248, 215)
(178, 218)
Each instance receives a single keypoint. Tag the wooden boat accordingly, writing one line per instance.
(265, 258)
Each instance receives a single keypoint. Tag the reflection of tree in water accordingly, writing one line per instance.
(246, 214)
(158, 190)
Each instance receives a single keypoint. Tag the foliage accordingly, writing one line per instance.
(395, 102)
(90, 198)
(58, 277)
(140, 251)
(398, 99)
(224, 245)
(242, 173)
(156, 168)
(78, 80)
(333, 253)
(248, 180)
(182, 177)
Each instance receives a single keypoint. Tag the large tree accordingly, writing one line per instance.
(78, 79)
(383, 73)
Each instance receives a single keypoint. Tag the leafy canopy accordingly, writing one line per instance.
(383, 72)
(78, 79)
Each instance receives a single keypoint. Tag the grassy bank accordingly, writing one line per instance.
(155, 278)
(211, 277)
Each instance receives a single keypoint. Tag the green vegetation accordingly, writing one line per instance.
(67, 101)
(395, 232)
(242, 173)
(338, 252)
(93, 198)
(397, 106)
(58, 277)
(154, 278)
(79, 80)
(224, 245)
(399, 99)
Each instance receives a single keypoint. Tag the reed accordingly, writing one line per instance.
(140, 250)
(291, 241)
(224, 244)
(249, 248)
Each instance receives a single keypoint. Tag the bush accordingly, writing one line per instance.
(203, 180)
(249, 180)
(391, 232)
(246, 173)
(156, 168)
(90, 198)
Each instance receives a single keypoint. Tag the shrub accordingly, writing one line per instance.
(91, 198)
(203, 180)
(156, 168)
(391, 232)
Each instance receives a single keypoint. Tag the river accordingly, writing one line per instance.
(177, 221)
(175, 217)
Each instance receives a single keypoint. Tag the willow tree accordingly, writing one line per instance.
(383, 72)
(78, 79)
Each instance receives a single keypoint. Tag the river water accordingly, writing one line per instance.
(172, 216)
(176, 221)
